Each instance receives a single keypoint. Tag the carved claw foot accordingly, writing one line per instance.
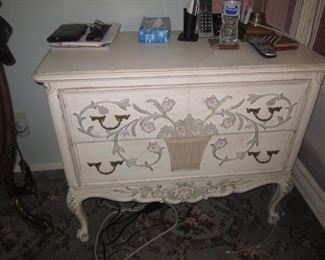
(75, 205)
(82, 235)
(282, 189)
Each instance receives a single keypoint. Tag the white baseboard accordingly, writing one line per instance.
(310, 190)
(42, 167)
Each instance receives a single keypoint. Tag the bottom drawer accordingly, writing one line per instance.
(157, 159)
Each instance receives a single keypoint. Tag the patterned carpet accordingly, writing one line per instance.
(206, 230)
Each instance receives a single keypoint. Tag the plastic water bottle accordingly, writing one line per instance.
(230, 18)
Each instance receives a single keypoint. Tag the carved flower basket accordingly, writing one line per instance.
(186, 153)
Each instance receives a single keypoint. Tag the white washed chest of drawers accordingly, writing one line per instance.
(177, 122)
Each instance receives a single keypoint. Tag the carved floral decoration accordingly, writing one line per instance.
(184, 191)
(189, 127)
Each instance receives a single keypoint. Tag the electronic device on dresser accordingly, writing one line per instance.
(182, 125)
(208, 23)
(205, 22)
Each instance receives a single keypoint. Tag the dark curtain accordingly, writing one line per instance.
(319, 45)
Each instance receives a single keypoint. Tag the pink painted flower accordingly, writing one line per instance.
(184, 193)
(181, 131)
(212, 102)
(131, 162)
(228, 122)
(154, 147)
(220, 143)
(167, 104)
(148, 127)
(166, 132)
(210, 129)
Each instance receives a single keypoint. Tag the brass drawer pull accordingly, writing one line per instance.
(101, 119)
(269, 153)
(255, 111)
(114, 164)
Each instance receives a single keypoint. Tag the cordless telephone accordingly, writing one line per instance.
(205, 23)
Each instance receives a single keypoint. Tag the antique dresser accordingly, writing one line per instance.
(178, 122)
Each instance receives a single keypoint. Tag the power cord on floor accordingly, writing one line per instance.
(264, 242)
(116, 212)
(118, 217)
(158, 236)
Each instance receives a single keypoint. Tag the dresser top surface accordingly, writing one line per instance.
(126, 55)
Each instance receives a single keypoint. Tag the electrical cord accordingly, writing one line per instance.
(264, 242)
(99, 231)
(132, 208)
(118, 217)
(119, 220)
(158, 236)
(117, 211)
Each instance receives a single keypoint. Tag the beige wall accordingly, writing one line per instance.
(32, 21)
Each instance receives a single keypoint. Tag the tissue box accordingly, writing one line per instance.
(154, 30)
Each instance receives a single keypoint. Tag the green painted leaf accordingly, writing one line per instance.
(271, 102)
(156, 104)
(102, 110)
(252, 98)
(140, 110)
(123, 104)
(133, 128)
(241, 122)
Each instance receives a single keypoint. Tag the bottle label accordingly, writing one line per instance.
(231, 8)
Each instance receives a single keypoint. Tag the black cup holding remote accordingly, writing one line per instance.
(189, 26)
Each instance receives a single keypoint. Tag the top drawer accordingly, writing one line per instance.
(182, 110)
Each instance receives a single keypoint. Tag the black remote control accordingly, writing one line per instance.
(263, 47)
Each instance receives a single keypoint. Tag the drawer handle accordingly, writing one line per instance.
(255, 111)
(101, 119)
(269, 153)
(114, 164)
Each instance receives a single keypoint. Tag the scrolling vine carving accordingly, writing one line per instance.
(231, 116)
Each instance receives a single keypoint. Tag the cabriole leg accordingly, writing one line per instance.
(282, 189)
(75, 205)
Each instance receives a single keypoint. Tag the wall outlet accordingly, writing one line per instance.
(22, 127)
